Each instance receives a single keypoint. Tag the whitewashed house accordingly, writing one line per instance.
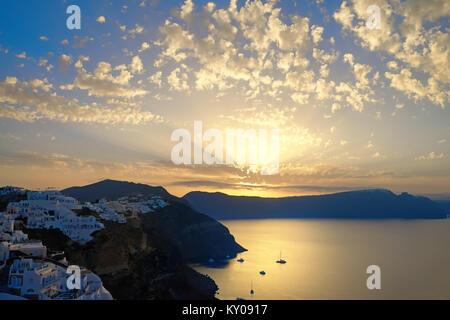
(35, 279)
(43, 280)
(32, 248)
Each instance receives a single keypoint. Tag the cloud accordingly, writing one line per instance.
(392, 65)
(408, 35)
(316, 34)
(22, 55)
(236, 186)
(178, 80)
(251, 47)
(42, 84)
(431, 156)
(344, 15)
(137, 30)
(156, 79)
(413, 88)
(144, 46)
(64, 62)
(80, 42)
(101, 19)
(21, 104)
(42, 62)
(335, 107)
(136, 65)
(222, 63)
(106, 81)
(300, 98)
(319, 177)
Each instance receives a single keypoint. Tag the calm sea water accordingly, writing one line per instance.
(327, 259)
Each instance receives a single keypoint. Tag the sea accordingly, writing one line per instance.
(332, 259)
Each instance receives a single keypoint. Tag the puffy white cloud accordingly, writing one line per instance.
(392, 65)
(156, 79)
(300, 98)
(136, 65)
(101, 19)
(28, 105)
(431, 156)
(344, 15)
(144, 46)
(349, 58)
(42, 62)
(335, 107)
(64, 62)
(42, 84)
(249, 46)
(408, 35)
(106, 81)
(22, 55)
(324, 57)
(186, 9)
(178, 80)
(405, 82)
(316, 33)
(324, 71)
(137, 30)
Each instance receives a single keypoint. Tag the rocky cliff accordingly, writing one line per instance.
(132, 263)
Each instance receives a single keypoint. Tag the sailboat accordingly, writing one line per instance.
(251, 288)
(281, 260)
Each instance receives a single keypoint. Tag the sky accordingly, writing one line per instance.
(355, 107)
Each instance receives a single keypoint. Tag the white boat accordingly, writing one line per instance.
(281, 260)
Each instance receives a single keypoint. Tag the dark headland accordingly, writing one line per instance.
(364, 204)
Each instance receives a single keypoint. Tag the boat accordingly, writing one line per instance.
(251, 290)
(240, 260)
(262, 272)
(281, 260)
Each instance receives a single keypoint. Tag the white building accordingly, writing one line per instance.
(106, 213)
(10, 189)
(56, 213)
(43, 280)
(42, 195)
(6, 224)
(35, 279)
(148, 205)
(32, 248)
